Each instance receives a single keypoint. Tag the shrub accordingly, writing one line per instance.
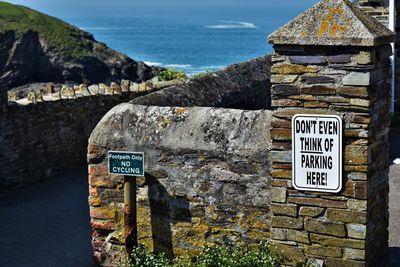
(171, 74)
(238, 257)
(141, 257)
(211, 256)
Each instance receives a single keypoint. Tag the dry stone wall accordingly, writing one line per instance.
(46, 130)
(207, 178)
(45, 133)
(243, 86)
(379, 9)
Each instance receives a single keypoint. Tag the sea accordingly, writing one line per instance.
(190, 39)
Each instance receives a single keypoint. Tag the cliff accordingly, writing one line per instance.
(35, 47)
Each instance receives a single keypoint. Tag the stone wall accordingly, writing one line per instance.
(3, 101)
(244, 86)
(207, 178)
(379, 9)
(44, 134)
(45, 130)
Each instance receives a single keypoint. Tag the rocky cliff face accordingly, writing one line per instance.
(51, 50)
(25, 59)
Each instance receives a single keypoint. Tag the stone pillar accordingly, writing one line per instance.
(379, 9)
(333, 59)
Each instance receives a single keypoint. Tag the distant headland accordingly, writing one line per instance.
(35, 47)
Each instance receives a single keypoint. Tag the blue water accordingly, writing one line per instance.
(188, 39)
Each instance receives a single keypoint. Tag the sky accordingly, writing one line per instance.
(66, 9)
(155, 3)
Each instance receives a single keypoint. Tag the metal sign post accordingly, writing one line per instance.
(129, 164)
(130, 219)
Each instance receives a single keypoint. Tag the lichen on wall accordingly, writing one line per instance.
(207, 177)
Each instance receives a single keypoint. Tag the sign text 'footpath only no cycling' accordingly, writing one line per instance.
(126, 163)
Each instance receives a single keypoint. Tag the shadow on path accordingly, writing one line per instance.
(394, 257)
(47, 224)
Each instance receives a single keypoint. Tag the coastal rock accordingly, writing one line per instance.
(30, 55)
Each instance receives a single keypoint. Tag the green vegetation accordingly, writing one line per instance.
(202, 74)
(396, 120)
(55, 33)
(222, 256)
(143, 258)
(171, 74)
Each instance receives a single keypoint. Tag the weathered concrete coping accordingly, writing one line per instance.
(198, 128)
(40, 95)
(332, 23)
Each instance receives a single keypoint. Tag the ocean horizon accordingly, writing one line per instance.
(190, 39)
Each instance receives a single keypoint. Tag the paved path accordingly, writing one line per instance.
(47, 224)
(394, 200)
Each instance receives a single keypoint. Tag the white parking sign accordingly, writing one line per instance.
(317, 153)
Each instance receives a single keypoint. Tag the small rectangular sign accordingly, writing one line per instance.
(317, 153)
(126, 163)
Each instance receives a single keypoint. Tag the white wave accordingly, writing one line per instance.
(171, 66)
(208, 68)
(180, 66)
(155, 64)
(188, 68)
(213, 67)
(232, 25)
(93, 28)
